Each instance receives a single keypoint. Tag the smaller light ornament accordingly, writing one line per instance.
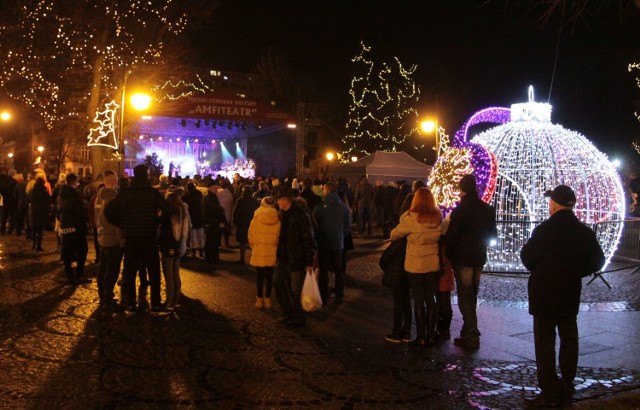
(464, 158)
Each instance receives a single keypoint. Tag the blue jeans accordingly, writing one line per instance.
(468, 283)
(288, 287)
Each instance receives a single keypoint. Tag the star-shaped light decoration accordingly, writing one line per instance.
(104, 134)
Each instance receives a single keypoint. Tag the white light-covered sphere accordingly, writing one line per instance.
(535, 155)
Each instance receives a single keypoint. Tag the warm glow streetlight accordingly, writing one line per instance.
(428, 126)
(354, 158)
(330, 156)
(40, 149)
(5, 116)
(10, 155)
(140, 101)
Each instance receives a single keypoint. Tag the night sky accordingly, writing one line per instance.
(469, 55)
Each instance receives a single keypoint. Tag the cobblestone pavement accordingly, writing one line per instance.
(58, 350)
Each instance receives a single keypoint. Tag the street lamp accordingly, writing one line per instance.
(330, 156)
(140, 102)
(429, 126)
(5, 116)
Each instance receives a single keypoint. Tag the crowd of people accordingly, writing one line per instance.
(296, 228)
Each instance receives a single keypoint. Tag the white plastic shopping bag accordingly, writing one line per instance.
(310, 297)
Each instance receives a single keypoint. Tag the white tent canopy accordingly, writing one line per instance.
(386, 166)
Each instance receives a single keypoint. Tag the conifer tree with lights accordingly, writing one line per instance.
(382, 111)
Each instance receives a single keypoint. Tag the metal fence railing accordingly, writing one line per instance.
(503, 257)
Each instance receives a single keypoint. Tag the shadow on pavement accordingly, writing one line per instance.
(106, 360)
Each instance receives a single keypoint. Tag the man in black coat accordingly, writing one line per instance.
(472, 227)
(138, 210)
(561, 251)
(295, 254)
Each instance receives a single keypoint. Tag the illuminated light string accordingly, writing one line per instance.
(636, 66)
(53, 75)
(535, 155)
(381, 114)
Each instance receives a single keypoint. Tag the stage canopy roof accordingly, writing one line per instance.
(218, 115)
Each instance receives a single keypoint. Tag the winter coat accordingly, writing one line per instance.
(392, 264)
(472, 227)
(193, 198)
(333, 221)
(364, 194)
(226, 202)
(422, 243)
(72, 211)
(296, 244)
(138, 210)
(559, 253)
(242, 216)
(212, 212)
(311, 198)
(108, 234)
(39, 205)
(263, 236)
(174, 233)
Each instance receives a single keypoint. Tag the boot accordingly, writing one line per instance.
(432, 319)
(267, 303)
(259, 303)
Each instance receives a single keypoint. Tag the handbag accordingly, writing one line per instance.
(310, 298)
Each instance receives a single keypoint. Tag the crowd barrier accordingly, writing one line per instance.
(503, 257)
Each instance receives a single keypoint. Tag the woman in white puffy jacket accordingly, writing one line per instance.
(422, 225)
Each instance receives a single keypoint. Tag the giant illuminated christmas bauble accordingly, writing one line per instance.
(535, 155)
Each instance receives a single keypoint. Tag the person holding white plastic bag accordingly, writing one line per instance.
(295, 254)
(173, 246)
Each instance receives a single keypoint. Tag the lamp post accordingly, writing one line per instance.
(429, 126)
(5, 116)
(330, 157)
(140, 102)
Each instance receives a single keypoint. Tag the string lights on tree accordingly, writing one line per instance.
(63, 59)
(382, 113)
